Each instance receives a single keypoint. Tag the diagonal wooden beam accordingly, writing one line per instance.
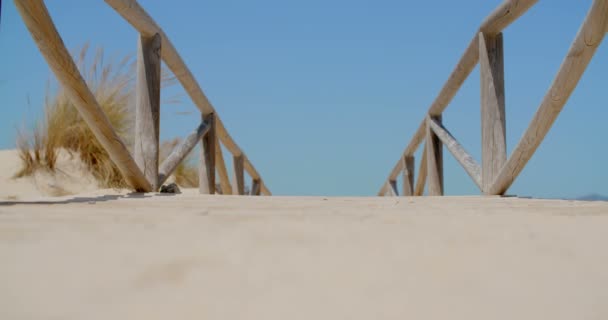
(579, 55)
(181, 152)
(457, 150)
(40, 25)
(135, 14)
(500, 18)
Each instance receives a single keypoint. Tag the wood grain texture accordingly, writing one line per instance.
(409, 168)
(457, 150)
(422, 174)
(588, 39)
(493, 117)
(434, 160)
(505, 14)
(181, 152)
(500, 18)
(131, 11)
(222, 171)
(239, 175)
(206, 169)
(50, 44)
(147, 108)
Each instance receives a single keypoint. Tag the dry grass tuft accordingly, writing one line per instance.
(113, 85)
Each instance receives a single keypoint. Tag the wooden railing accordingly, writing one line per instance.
(142, 171)
(496, 173)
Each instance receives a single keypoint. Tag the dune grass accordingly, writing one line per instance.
(113, 85)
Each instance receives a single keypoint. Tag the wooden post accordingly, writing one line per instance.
(434, 158)
(134, 14)
(147, 108)
(256, 187)
(220, 165)
(493, 120)
(409, 167)
(584, 46)
(393, 191)
(422, 174)
(239, 175)
(49, 42)
(206, 169)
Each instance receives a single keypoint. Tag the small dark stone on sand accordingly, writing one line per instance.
(170, 188)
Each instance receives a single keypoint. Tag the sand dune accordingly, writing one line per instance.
(71, 177)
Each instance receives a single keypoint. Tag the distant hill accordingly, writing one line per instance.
(593, 197)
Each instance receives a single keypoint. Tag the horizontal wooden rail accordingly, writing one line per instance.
(131, 11)
(181, 152)
(38, 21)
(462, 156)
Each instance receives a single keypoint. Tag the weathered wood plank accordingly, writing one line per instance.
(181, 152)
(434, 160)
(239, 175)
(222, 171)
(39, 23)
(256, 187)
(581, 51)
(493, 117)
(457, 150)
(147, 108)
(206, 169)
(409, 168)
(422, 174)
(131, 11)
(506, 13)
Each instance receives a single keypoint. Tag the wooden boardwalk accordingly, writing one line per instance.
(193, 256)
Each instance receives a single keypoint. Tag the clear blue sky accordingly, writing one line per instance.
(323, 95)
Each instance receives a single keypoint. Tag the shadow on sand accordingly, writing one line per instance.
(90, 200)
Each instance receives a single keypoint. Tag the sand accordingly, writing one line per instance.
(109, 255)
(203, 257)
(70, 177)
